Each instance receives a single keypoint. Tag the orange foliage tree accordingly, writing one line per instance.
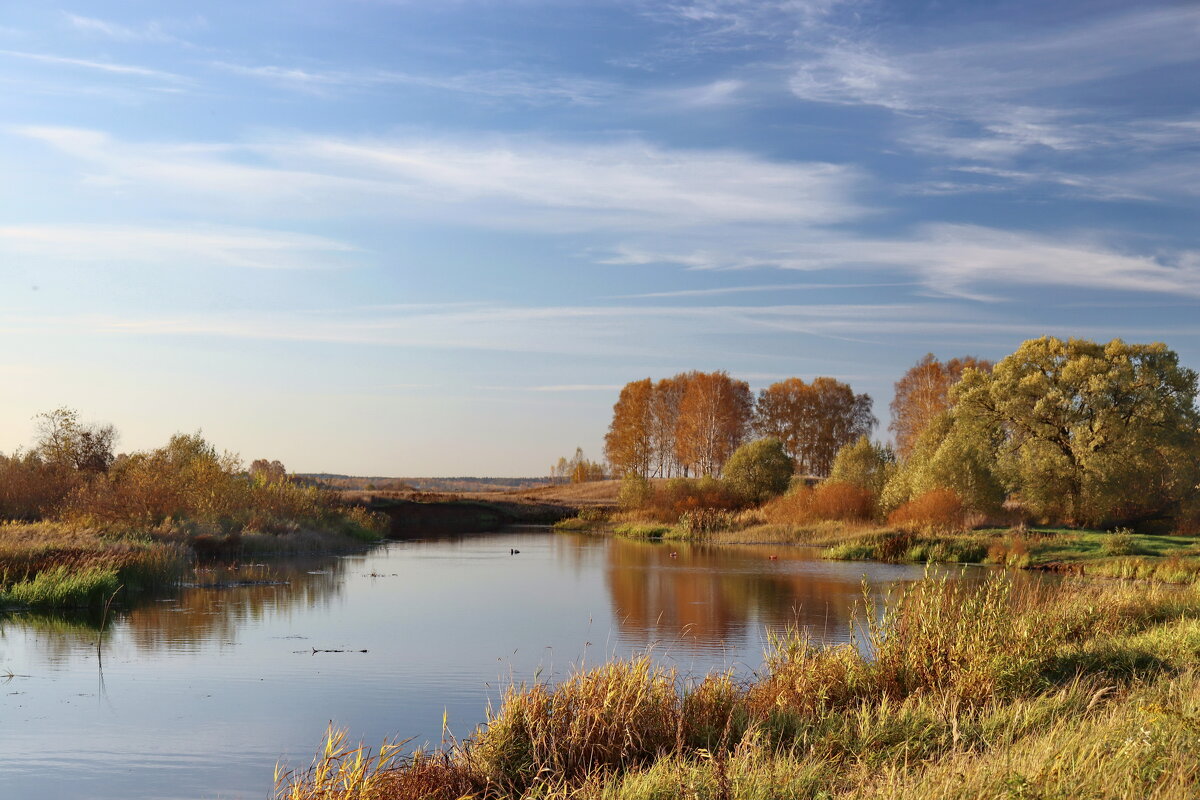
(924, 392)
(629, 444)
(813, 420)
(664, 418)
(714, 415)
(688, 424)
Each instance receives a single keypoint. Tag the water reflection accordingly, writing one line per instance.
(216, 602)
(712, 596)
(203, 692)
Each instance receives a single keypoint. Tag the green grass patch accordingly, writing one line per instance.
(908, 548)
(580, 525)
(63, 587)
(1067, 545)
(644, 530)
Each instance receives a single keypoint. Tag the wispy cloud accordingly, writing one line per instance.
(771, 287)
(964, 260)
(577, 387)
(982, 71)
(992, 97)
(685, 207)
(499, 84)
(171, 247)
(515, 182)
(149, 32)
(599, 330)
(98, 66)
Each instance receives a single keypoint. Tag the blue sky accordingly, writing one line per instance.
(435, 238)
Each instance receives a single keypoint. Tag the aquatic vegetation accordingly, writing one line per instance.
(1005, 689)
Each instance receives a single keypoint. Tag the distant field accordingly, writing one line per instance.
(454, 484)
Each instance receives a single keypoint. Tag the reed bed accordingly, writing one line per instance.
(1008, 689)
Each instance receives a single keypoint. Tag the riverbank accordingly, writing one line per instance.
(1012, 689)
(1120, 554)
(62, 565)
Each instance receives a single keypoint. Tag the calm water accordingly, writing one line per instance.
(199, 696)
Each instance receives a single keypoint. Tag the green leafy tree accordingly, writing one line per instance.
(1088, 433)
(951, 452)
(759, 470)
(864, 464)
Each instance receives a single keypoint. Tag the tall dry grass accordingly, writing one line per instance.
(945, 686)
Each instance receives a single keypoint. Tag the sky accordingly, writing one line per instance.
(435, 237)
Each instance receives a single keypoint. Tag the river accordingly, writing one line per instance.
(200, 694)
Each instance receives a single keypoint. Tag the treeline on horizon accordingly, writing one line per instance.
(1071, 432)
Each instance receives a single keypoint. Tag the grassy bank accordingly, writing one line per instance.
(1001, 691)
(1121, 554)
(68, 565)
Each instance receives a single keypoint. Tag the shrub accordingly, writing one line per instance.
(636, 492)
(674, 498)
(593, 514)
(864, 464)
(935, 511)
(831, 500)
(30, 488)
(703, 521)
(1119, 543)
(759, 470)
(843, 501)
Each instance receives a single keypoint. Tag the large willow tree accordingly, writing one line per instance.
(1088, 433)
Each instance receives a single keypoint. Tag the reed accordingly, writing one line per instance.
(62, 587)
(1007, 689)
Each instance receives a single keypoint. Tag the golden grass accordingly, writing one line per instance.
(1007, 690)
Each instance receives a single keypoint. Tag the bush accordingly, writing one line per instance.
(189, 479)
(636, 492)
(30, 488)
(1120, 543)
(674, 498)
(703, 521)
(864, 464)
(843, 501)
(759, 470)
(936, 511)
(831, 500)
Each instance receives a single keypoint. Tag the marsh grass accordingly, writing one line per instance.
(62, 587)
(1171, 569)
(1005, 690)
(66, 565)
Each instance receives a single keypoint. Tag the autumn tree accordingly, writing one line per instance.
(267, 472)
(714, 415)
(577, 470)
(1088, 433)
(924, 392)
(664, 419)
(64, 442)
(813, 420)
(629, 444)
